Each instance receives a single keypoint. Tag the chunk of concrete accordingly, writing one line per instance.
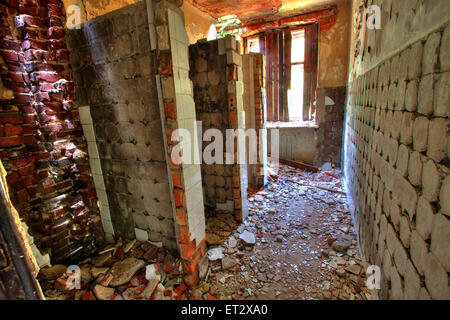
(103, 293)
(124, 270)
(247, 237)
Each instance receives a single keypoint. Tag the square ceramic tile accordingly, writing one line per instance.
(105, 213)
(96, 166)
(172, 27)
(85, 115)
(141, 235)
(93, 150)
(89, 134)
(99, 181)
(108, 226)
(102, 197)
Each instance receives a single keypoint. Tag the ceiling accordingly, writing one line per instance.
(247, 10)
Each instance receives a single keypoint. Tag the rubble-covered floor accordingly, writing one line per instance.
(304, 244)
(297, 243)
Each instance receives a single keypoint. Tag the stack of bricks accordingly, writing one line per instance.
(114, 76)
(330, 119)
(41, 144)
(208, 74)
(170, 43)
(260, 118)
(253, 69)
(229, 47)
(397, 167)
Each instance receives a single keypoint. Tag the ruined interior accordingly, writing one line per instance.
(120, 179)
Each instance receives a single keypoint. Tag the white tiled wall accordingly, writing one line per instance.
(186, 117)
(97, 173)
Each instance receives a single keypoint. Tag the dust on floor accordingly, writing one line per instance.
(298, 243)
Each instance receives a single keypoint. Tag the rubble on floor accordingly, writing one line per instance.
(123, 271)
(297, 243)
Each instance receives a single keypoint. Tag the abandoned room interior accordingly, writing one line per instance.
(225, 150)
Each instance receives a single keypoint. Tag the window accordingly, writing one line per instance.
(253, 45)
(291, 71)
(295, 93)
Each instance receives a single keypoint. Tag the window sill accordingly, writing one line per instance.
(292, 125)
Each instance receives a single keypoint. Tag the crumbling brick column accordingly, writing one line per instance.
(41, 142)
(170, 43)
(255, 115)
(235, 89)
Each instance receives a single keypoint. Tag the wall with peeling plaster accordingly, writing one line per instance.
(334, 47)
(397, 142)
(197, 22)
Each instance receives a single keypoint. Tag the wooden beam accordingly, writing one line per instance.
(276, 75)
(298, 165)
(278, 21)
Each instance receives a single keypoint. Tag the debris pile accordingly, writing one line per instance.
(297, 243)
(123, 271)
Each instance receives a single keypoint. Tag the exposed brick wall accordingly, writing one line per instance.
(397, 164)
(41, 142)
(330, 119)
(115, 75)
(255, 115)
(260, 117)
(178, 112)
(235, 88)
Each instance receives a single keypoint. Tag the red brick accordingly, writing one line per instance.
(9, 55)
(48, 76)
(30, 21)
(57, 44)
(55, 33)
(33, 44)
(22, 98)
(61, 55)
(178, 195)
(183, 234)
(22, 196)
(180, 289)
(170, 110)
(13, 130)
(61, 284)
(176, 178)
(181, 216)
(17, 76)
(9, 44)
(32, 11)
(165, 63)
(187, 250)
(232, 72)
(12, 177)
(10, 142)
(13, 3)
(25, 171)
(29, 180)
